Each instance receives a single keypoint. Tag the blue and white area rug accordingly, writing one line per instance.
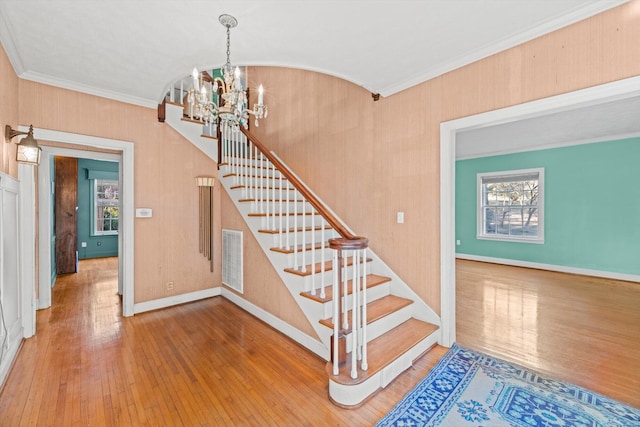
(467, 388)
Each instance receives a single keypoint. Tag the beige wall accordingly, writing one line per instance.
(166, 245)
(368, 159)
(8, 113)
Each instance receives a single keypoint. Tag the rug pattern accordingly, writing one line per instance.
(467, 388)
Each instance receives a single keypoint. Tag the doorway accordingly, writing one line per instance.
(80, 145)
(582, 99)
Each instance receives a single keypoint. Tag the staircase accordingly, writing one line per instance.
(372, 342)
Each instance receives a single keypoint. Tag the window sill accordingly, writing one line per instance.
(536, 240)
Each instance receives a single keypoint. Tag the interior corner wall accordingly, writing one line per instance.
(369, 160)
(591, 207)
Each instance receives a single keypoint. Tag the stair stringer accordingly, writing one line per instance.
(191, 131)
(296, 284)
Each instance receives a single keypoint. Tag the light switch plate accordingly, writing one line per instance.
(144, 212)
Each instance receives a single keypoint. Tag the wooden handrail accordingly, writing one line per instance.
(348, 238)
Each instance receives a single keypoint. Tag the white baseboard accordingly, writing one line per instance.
(295, 334)
(551, 267)
(175, 300)
(8, 358)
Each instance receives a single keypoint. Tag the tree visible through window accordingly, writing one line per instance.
(511, 205)
(106, 207)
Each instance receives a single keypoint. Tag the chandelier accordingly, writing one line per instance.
(232, 98)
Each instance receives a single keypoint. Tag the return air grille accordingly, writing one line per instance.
(232, 259)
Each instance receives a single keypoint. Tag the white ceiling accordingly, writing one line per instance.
(132, 50)
(601, 122)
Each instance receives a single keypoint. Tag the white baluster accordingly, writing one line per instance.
(280, 245)
(364, 364)
(354, 317)
(313, 252)
(304, 237)
(323, 295)
(336, 312)
(266, 191)
(345, 290)
(295, 233)
(287, 247)
(273, 196)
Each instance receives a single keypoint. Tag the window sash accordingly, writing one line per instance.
(515, 213)
(105, 200)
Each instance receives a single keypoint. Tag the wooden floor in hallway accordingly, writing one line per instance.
(209, 363)
(206, 363)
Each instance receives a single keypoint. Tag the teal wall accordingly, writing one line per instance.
(97, 246)
(591, 206)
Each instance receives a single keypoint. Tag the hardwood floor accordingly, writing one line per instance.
(203, 363)
(579, 329)
(211, 363)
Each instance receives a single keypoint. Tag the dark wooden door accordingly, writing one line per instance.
(66, 218)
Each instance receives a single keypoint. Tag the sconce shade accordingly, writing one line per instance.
(28, 150)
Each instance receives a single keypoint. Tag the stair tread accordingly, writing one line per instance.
(384, 350)
(272, 200)
(283, 214)
(317, 267)
(307, 247)
(236, 187)
(377, 309)
(373, 280)
(295, 230)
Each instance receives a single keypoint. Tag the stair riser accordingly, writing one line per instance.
(381, 326)
(255, 177)
(302, 259)
(317, 236)
(373, 294)
(281, 208)
(292, 222)
(348, 395)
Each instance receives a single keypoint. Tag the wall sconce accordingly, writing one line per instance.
(28, 150)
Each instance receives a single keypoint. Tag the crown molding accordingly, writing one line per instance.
(90, 90)
(579, 13)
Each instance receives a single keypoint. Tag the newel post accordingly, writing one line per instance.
(338, 340)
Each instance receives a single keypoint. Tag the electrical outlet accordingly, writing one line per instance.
(400, 218)
(169, 286)
(83, 244)
(457, 242)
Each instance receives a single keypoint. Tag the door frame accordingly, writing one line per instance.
(126, 232)
(600, 94)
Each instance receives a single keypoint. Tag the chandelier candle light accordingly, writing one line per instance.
(232, 110)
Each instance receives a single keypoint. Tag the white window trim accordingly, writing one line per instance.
(539, 239)
(94, 232)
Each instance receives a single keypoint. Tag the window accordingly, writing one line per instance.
(510, 205)
(106, 206)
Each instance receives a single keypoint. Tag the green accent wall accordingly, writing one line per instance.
(97, 246)
(591, 206)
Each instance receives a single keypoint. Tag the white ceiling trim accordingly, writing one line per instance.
(616, 137)
(91, 90)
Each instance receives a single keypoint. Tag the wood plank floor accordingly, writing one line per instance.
(210, 363)
(203, 363)
(579, 329)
